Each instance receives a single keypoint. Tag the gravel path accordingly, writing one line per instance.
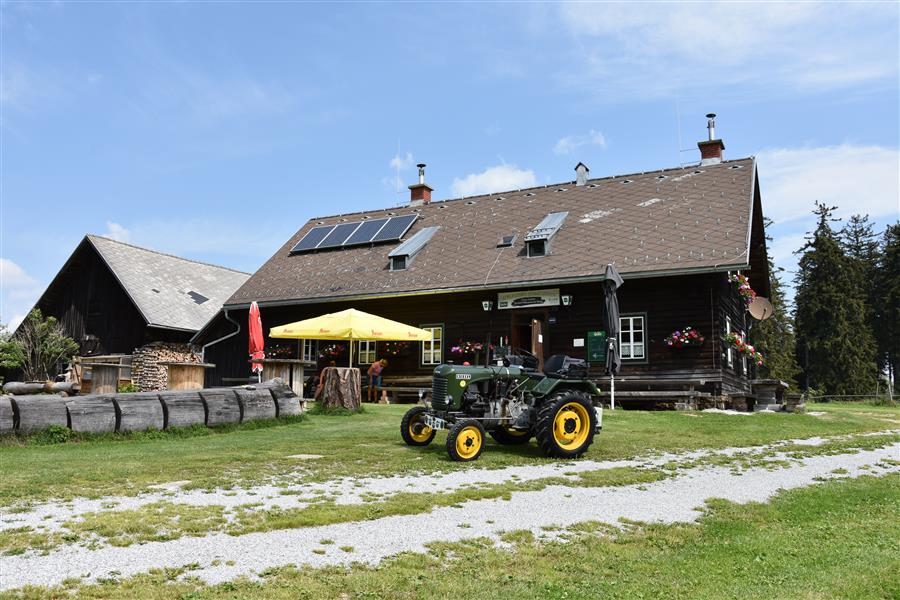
(678, 499)
(51, 516)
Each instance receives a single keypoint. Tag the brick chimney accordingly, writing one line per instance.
(420, 193)
(711, 149)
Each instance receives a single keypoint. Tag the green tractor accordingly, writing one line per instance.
(513, 403)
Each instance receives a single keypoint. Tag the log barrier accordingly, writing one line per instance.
(106, 413)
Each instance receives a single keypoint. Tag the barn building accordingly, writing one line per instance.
(128, 303)
(523, 268)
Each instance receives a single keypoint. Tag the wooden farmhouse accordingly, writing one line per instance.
(522, 268)
(135, 306)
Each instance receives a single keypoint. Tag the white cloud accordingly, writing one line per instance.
(18, 292)
(856, 179)
(12, 276)
(494, 179)
(665, 48)
(402, 162)
(571, 143)
(117, 232)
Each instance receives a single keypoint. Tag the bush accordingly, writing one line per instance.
(55, 434)
(127, 388)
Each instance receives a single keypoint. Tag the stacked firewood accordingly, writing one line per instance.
(146, 372)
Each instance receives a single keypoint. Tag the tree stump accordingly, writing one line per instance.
(342, 388)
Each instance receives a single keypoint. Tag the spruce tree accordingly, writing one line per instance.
(887, 302)
(774, 337)
(835, 347)
(860, 244)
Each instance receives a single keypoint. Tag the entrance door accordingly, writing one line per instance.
(528, 331)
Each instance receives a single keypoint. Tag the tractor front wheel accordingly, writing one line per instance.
(413, 429)
(566, 424)
(508, 436)
(465, 440)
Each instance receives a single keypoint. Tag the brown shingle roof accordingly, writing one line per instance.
(690, 219)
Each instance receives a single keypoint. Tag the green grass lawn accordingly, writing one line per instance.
(368, 444)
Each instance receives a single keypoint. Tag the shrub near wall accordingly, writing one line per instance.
(107, 413)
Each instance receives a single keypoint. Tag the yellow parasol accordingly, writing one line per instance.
(350, 324)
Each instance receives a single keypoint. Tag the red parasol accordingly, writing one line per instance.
(257, 344)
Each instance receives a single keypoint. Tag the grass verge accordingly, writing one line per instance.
(367, 444)
(833, 540)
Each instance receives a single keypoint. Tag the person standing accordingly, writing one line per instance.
(374, 373)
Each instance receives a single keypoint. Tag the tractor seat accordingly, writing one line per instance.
(560, 366)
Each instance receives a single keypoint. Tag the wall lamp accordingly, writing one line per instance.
(567, 300)
(487, 305)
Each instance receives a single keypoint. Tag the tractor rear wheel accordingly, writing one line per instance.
(413, 429)
(566, 424)
(507, 436)
(465, 440)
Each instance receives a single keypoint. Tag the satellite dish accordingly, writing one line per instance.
(761, 309)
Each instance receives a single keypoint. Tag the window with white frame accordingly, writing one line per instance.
(433, 351)
(365, 352)
(729, 353)
(632, 337)
(308, 350)
(744, 359)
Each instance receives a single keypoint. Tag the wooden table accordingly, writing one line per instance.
(186, 375)
(290, 370)
(105, 377)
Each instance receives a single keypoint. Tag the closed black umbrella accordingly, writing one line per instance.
(613, 361)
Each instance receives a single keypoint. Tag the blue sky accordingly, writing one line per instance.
(215, 130)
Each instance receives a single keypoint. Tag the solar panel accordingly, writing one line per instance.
(366, 232)
(338, 235)
(312, 238)
(395, 228)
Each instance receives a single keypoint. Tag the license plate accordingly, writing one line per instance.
(434, 422)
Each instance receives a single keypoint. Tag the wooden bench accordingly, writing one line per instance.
(682, 399)
(391, 394)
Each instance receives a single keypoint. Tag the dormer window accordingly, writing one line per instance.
(537, 241)
(398, 263)
(536, 248)
(401, 256)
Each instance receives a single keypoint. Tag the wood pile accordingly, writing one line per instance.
(146, 372)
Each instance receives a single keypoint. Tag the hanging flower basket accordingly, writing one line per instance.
(394, 348)
(736, 341)
(743, 287)
(684, 338)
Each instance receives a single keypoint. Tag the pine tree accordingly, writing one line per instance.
(774, 337)
(860, 245)
(886, 307)
(835, 347)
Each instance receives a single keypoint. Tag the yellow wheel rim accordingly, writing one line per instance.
(571, 425)
(468, 442)
(424, 432)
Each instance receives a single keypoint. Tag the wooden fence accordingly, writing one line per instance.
(106, 413)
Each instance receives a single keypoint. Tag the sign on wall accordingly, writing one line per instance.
(596, 341)
(528, 298)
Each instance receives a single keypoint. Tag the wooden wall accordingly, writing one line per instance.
(669, 303)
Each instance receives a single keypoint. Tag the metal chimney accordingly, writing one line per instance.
(710, 124)
(422, 170)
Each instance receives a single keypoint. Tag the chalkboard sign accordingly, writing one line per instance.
(596, 343)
